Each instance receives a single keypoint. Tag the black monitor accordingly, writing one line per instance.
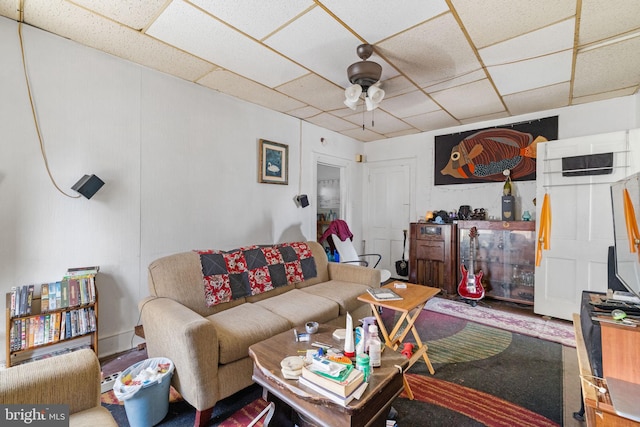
(625, 202)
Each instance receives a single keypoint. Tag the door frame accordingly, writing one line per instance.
(345, 167)
(409, 162)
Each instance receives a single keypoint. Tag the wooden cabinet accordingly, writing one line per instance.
(620, 354)
(432, 255)
(505, 252)
(51, 322)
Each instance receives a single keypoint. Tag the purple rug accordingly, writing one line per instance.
(559, 331)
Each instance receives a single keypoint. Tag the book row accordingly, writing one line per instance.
(48, 328)
(72, 291)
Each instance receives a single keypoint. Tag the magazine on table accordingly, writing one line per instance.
(383, 294)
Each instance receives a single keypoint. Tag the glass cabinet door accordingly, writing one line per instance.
(505, 252)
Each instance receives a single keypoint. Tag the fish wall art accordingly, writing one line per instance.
(482, 155)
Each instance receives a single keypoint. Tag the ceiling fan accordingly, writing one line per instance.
(364, 77)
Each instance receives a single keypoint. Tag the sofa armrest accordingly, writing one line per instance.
(190, 341)
(71, 379)
(355, 274)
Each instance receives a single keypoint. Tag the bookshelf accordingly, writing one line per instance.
(52, 318)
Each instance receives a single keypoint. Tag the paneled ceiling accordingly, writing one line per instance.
(445, 62)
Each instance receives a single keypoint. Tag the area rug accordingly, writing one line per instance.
(484, 376)
(547, 329)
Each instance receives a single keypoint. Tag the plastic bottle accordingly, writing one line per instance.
(363, 364)
(375, 350)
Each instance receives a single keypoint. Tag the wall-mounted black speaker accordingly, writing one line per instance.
(88, 185)
(303, 200)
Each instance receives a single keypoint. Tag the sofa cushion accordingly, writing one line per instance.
(343, 293)
(300, 307)
(244, 325)
(254, 270)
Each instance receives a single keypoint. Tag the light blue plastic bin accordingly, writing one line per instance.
(150, 404)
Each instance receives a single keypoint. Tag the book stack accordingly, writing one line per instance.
(341, 389)
(383, 294)
(21, 298)
(66, 310)
(37, 330)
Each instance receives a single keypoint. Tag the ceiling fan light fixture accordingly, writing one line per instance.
(365, 77)
(364, 73)
(375, 93)
(353, 92)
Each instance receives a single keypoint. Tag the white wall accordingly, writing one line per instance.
(179, 162)
(587, 119)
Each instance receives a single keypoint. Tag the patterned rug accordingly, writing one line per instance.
(485, 376)
(547, 329)
(481, 407)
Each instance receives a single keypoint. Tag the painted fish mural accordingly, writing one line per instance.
(486, 154)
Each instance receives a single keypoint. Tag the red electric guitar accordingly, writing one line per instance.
(470, 287)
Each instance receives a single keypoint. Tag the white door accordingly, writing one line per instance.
(388, 203)
(582, 224)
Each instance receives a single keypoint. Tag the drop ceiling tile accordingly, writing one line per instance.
(383, 122)
(331, 122)
(555, 38)
(409, 104)
(605, 95)
(484, 118)
(78, 24)
(470, 77)
(603, 19)
(611, 67)
(431, 52)
(431, 121)
(10, 9)
(374, 20)
(470, 100)
(234, 85)
(188, 28)
(493, 21)
(366, 135)
(255, 18)
(304, 112)
(410, 131)
(135, 14)
(398, 85)
(328, 47)
(532, 73)
(315, 91)
(541, 99)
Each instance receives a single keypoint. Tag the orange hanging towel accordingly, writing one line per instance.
(544, 233)
(631, 223)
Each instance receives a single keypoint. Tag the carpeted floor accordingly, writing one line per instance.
(480, 373)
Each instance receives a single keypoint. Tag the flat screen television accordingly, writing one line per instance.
(625, 201)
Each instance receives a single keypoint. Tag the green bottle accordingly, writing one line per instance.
(506, 190)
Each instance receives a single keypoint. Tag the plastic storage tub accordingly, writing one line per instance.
(145, 391)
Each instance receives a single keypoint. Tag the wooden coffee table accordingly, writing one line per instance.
(414, 298)
(297, 405)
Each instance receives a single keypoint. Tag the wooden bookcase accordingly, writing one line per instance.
(505, 252)
(38, 334)
(432, 256)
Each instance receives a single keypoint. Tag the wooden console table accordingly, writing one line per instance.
(620, 359)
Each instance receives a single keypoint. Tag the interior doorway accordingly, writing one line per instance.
(329, 195)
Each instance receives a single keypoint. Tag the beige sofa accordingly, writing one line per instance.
(209, 344)
(70, 379)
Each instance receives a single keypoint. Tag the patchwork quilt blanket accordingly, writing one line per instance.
(228, 275)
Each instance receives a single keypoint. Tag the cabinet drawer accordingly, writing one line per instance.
(431, 250)
(430, 232)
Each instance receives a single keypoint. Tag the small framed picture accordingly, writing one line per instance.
(274, 163)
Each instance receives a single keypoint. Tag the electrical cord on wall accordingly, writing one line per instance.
(33, 108)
